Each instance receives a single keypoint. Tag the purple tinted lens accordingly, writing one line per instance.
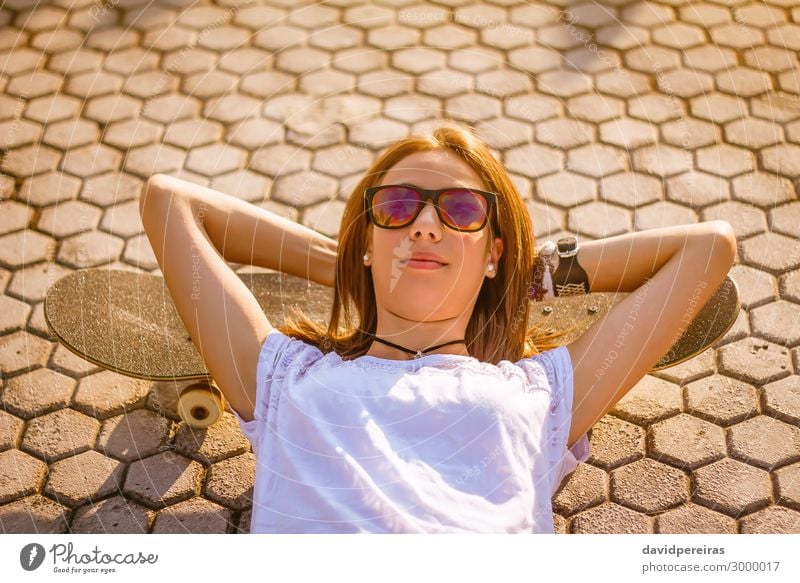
(395, 206)
(464, 209)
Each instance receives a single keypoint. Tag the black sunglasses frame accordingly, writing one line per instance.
(433, 195)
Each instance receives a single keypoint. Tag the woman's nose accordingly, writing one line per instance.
(427, 220)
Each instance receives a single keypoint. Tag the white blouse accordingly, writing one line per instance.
(440, 444)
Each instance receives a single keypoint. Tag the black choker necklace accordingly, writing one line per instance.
(416, 353)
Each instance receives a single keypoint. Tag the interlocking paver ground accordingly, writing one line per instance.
(637, 115)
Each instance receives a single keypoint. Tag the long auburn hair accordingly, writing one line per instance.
(498, 329)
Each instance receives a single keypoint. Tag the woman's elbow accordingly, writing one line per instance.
(159, 193)
(719, 239)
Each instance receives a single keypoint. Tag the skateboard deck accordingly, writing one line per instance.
(577, 313)
(126, 322)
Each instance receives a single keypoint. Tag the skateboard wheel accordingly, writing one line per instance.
(200, 405)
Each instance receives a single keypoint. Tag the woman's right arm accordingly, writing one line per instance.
(194, 231)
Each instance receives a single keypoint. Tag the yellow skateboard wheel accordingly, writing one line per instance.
(200, 405)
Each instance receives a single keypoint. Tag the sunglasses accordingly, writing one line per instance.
(393, 206)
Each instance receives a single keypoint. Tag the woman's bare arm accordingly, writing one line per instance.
(193, 231)
(616, 352)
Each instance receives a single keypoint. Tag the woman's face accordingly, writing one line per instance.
(418, 294)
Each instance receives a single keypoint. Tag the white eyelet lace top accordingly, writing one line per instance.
(440, 444)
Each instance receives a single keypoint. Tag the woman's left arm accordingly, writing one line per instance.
(671, 274)
(624, 262)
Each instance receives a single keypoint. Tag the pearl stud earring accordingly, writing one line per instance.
(366, 257)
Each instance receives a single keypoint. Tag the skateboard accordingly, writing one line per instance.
(126, 322)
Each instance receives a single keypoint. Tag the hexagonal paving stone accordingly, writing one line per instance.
(378, 133)
(112, 108)
(132, 133)
(10, 431)
(60, 434)
(243, 184)
(230, 481)
(123, 219)
(765, 442)
(754, 360)
(50, 187)
(252, 134)
(566, 189)
(472, 107)
(687, 442)
(662, 160)
(745, 220)
(725, 160)
(616, 442)
(303, 188)
(697, 189)
(19, 132)
(662, 214)
(718, 107)
(163, 479)
(68, 218)
(594, 108)
(215, 159)
(112, 516)
(596, 160)
(627, 133)
(599, 219)
(169, 108)
(84, 477)
(31, 283)
(787, 489)
(694, 519)
(341, 160)
(64, 360)
(20, 475)
(154, 159)
(564, 133)
(755, 286)
(107, 393)
(611, 518)
(648, 486)
(778, 322)
(13, 314)
(585, 488)
(732, 487)
(786, 219)
(763, 189)
(14, 216)
(790, 286)
(218, 442)
(30, 160)
(504, 133)
(36, 393)
(771, 251)
(33, 514)
(631, 189)
(325, 217)
(17, 249)
(196, 515)
(753, 133)
(280, 160)
(22, 351)
(533, 161)
(111, 188)
(772, 520)
(721, 399)
(782, 159)
(690, 133)
(90, 160)
(650, 400)
(89, 249)
(134, 435)
(782, 399)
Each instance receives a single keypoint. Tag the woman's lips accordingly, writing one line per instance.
(423, 264)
